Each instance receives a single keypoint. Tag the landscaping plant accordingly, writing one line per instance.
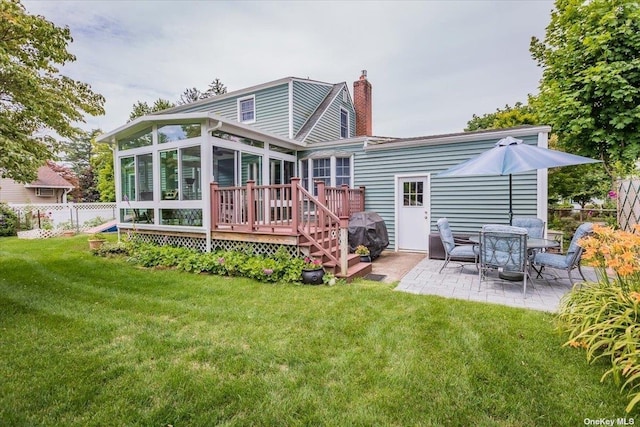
(604, 317)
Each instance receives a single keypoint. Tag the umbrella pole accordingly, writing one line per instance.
(510, 202)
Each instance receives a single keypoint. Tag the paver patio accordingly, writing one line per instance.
(462, 283)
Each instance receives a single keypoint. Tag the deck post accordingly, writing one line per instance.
(345, 208)
(251, 199)
(322, 198)
(295, 204)
(215, 205)
(362, 188)
(344, 245)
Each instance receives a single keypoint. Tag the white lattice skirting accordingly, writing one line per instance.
(200, 244)
(38, 233)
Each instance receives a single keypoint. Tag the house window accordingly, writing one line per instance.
(335, 170)
(247, 109)
(343, 171)
(44, 192)
(344, 123)
(322, 170)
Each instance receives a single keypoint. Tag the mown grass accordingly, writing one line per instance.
(92, 341)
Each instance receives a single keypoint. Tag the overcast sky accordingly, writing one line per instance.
(432, 64)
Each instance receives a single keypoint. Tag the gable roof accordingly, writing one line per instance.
(224, 124)
(48, 178)
(239, 92)
(313, 119)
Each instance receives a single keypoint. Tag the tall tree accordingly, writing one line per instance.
(578, 183)
(190, 95)
(590, 87)
(34, 96)
(141, 108)
(519, 114)
(78, 152)
(216, 87)
(102, 166)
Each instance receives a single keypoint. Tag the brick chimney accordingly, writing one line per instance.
(362, 104)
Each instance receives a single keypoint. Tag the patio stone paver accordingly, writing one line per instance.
(543, 294)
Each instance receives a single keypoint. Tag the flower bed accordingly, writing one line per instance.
(604, 317)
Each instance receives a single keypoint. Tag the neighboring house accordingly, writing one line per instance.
(49, 187)
(250, 143)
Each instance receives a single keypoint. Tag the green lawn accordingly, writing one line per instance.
(93, 341)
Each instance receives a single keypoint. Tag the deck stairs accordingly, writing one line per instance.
(356, 267)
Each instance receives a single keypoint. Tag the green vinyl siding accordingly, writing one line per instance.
(307, 96)
(271, 107)
(328, 127)
(468, 202)
(227, 108)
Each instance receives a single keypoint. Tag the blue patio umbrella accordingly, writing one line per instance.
(511, 155)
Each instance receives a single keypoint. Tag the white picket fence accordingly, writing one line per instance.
(48, 220)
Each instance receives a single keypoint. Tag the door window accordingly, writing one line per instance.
(413, 193)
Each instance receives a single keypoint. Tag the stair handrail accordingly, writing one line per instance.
(339, 247)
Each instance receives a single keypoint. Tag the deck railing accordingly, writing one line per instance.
(289, 209)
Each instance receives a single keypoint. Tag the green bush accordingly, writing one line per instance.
(8, 220)
(604, 317)
(281, 268)
(605, 321)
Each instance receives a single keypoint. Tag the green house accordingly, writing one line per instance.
(285, 163)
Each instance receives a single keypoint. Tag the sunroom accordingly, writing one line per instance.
(199, 180)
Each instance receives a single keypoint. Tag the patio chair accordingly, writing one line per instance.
(535, 230)
(569, 261)
(503, 248)
(455, 249)
(534, 226)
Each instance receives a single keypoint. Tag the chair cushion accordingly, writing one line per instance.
(446, 235)
(552, 260)
(463, 251)
(503, 247)
(585, 228)
(534, 226)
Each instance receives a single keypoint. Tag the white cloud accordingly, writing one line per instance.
(432, 64)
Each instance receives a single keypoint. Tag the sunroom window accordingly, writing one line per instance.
(140, 139)
(170, 133)
(136, 178)
(180, 177)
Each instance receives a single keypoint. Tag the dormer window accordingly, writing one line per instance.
(344, 123)
(247, 109)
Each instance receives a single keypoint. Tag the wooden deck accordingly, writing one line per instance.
(289, 214)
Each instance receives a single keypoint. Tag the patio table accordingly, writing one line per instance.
(532, 244)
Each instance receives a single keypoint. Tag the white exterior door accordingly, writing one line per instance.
(412, 213)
